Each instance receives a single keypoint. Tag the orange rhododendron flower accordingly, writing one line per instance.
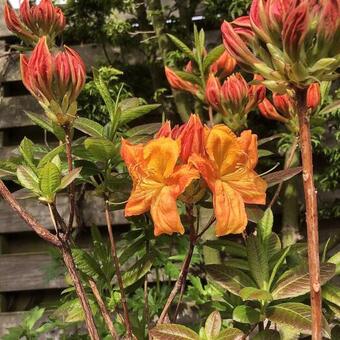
(229, 172)
(157, 182)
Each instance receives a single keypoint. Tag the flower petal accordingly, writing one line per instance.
(139, 201)
(206, 168)
(161, 156)
(182, 177)
(164, 212)
(248, 184)
(229, 210)
(248, 143)
(223, 148)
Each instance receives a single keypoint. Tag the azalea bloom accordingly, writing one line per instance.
(158, 181)
(287, 41)
(228, 170)
(35, 21)
(54, 80)
(225, 64)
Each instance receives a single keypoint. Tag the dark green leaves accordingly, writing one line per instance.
(246, 314)
(101, 149)
(173, 332)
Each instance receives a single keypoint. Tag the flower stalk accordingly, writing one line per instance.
(311, 212)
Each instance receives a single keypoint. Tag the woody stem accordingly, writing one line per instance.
(311, 212)
(118, 271)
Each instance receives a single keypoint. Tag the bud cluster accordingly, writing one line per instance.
(288, 42)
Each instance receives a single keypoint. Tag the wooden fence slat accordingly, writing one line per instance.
(92, 209)
(12, 111)
(26, 272)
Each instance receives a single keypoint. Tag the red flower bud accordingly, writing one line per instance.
(164, 131)
(225, 63)
(234, 93)
(178, 83)
(256, 94)
(35, 21)
(192, 138)
(213, 92)
(242, 27)
(55, 81)
(313, 96)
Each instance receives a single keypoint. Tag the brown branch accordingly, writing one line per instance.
(71, 267)
(286, 166)
(102, 307)
(311, 212)
(71, 188)
(118, 272)
(23, 214)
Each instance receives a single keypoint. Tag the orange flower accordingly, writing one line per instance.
(157, 182)
(229, 173)
(177, 83)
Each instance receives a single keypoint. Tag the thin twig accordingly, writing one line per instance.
(39, 229)
(103, 310)
(71, 188)
(178, 287)
(118, 272)
(311, 212)
(287, 165)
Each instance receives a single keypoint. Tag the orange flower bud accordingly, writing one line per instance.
(269, 111)
(256, 94)
(178, 83)
(213, 92)
(35, 21)
(225, 63)
(55, 81)
(313, 96)
(164, 131)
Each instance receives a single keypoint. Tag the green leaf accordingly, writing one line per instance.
(277, 266)
(187, 76)
(331, 293)
(89, 127)
(277, 177)
(14, 333)
(101, 149)
(264, 153)
(330, 108)
(336, 260)
(295, 282)
(274, 245)
(232, 248)
(228, 278)
(49, 180)
(145, 129)
(49, 156)
(296, 315)
(33, 317)
(173, 332)
(40, 121)
(268, 334)
(137, 271)
(27, 178)
(26, 150)
(87, 264)
(246, 314)
(230, 334)
(264, 229)
(258, 261)
(69, 178)
(132, 249)
(136, 112)
(251, 293)
(130, 103)
(254, 214)
(183, 47)
(213, 325)
(212, 56)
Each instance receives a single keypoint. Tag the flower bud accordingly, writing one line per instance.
(313, 96)
(213, 92)
(35, 21)
(256, 94)
(224, 64)
(177, 83)
(191, 136)
(164, 131)
(234, 94)
(55, 81)
(188, 67)
(268, 111)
